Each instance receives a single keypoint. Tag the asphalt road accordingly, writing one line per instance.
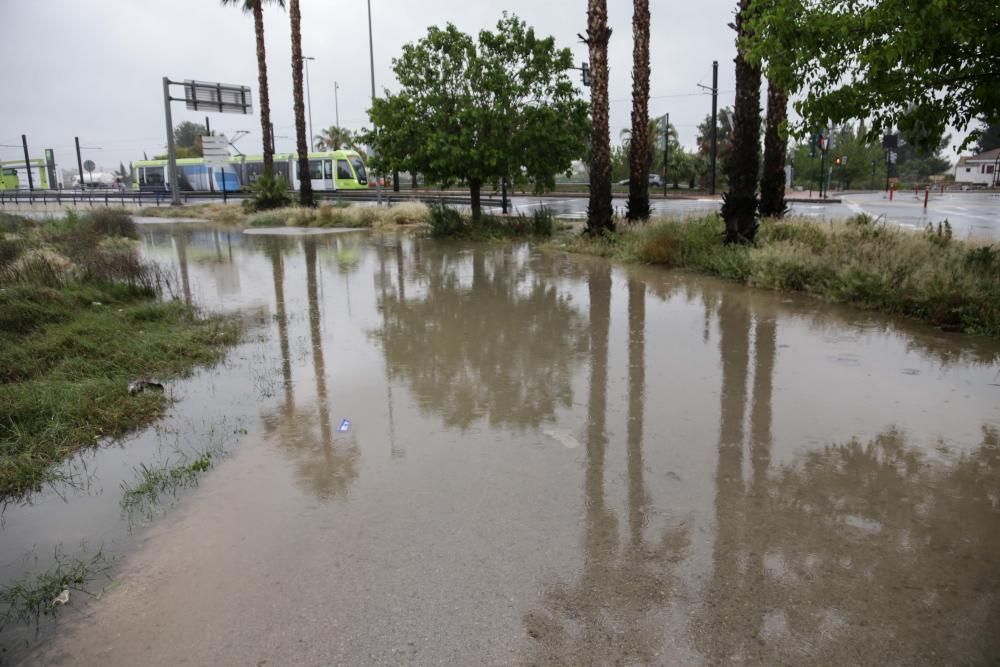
(970, 214)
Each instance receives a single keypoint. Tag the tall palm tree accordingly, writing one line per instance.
(302, 146)
(336, 138)
(739, 205)
(599, 211)
(256, 7)
(638, 157)
(772, 182)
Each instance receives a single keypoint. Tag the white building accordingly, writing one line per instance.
(982, 169)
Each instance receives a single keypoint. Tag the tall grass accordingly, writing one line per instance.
(79, 318)
(342, 216)
(930, 275)
(447, 222)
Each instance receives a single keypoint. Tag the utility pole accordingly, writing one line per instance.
(309, 104)
(666, 150)
(27, 162)
(336, 104)
(175, 198)
(79, 162)
(208, 127)
(715, 126)
(272, 139)
(371, 60)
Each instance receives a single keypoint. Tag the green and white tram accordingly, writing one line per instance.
(14, 175)
(334, 170)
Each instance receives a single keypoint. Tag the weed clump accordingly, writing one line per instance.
(447, 222)
(931, 276)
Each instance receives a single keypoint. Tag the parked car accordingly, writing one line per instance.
(654, 180)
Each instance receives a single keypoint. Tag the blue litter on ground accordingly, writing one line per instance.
(345, 424)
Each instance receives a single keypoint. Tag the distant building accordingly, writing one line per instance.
(981, 169)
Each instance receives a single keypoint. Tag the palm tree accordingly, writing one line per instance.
(599, 211)
(639, 155)
(739, 205)
(255, 7)
(302, 146)
(336, 138)
(772, 182)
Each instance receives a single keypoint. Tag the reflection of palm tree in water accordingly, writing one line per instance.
(278, 274)
(851, 551)
(326, 468)
(604, 618)
(181, 243)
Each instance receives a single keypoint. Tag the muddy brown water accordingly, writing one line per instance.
(549, 460)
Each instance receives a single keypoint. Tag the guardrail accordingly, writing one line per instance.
(146, 199)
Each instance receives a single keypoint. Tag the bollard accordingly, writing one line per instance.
(927, 194)
(891, 190)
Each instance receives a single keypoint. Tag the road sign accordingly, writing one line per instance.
(89, 165)
(220, 97)
(215, 150)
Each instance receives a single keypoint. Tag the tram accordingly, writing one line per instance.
(333, 170)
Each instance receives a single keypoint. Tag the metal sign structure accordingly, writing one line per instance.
(200, 96)
(215, 150)
(219, 97)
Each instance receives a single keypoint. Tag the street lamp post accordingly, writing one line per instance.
(309, 102)
(336, 104)
(371, 60)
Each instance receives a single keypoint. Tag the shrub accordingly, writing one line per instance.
(266, 193)
(446, 221)
(109, 222)
(542, 222)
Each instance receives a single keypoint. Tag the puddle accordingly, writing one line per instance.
(497, 455)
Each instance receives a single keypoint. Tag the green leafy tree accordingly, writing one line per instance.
(478, 112)
(989, 137)
(856, 152)
(918, 67)
(256, 7)
(188, 135)
(920, 158)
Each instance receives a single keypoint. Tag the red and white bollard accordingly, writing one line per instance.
(892, 189)
(927, 194)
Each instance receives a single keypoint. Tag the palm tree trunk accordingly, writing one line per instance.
(639, 158)
(772, 183)
(265, 102)
(302, 146)
(739, 205)
(599, 212)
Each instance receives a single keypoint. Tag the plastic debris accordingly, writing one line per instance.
(61, 599)
(139, 386)
(345, 425)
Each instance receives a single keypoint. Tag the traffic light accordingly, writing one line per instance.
(585, 69)
(837, 161)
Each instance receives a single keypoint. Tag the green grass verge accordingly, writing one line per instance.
(450, 223)
(930, 276)
(80, 318)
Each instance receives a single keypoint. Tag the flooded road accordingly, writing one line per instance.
(490, 454)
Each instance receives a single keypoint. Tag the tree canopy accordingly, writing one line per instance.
(479, 111)
(918, 67)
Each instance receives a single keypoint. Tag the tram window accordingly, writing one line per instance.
(359, 169)
(154, 176)
(316, 170)
(10, 172)
(344, 170)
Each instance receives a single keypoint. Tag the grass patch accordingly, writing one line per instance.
(447, 222)
(342, 215)
(27, 601)
(930, 276)
(80, 316)
(226, 214)
(153, 482)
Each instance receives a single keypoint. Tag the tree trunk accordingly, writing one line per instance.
(639, 158)
(599, 211)
(302, 146)
(475, 185)
(413, 180)
(739, 205)
(265, 102)
(772, 182)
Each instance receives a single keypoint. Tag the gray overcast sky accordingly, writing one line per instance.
(93, 69)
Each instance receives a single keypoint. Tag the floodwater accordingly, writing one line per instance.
(546, 460)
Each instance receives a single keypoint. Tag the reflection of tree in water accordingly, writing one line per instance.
(857, 553)
(325, 466)
(503, 348)
(604, 617)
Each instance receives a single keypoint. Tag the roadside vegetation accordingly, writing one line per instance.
(81, 315)
(153, 482)
(342, 215)
(931, 276)
(224, 214)
(447, 222)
